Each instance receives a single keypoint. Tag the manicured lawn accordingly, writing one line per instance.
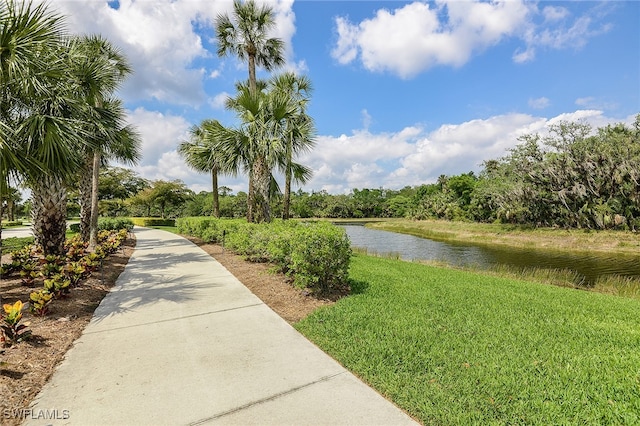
(455, 347)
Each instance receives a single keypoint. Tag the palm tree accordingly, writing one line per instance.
(299, 132)
(204, 153)
(264, 117)
(99, 70)
(27, 36)
(38, 132)
(246, 35)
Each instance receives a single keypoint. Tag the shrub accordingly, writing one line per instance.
(317, 255)
(39, 302)
(12, 330)
(152, 221)
(115, 223)
(320, 257)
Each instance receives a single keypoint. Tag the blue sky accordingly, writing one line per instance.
(403, 91)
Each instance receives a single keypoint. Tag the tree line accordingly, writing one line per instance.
(571, 178)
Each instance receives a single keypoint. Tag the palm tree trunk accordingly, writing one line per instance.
(84, 189)
(93, 228)
(49, 213)
(251, 197)
(262, 181)
(287, 186)
(214, 185)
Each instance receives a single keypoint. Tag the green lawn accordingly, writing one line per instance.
(455, 347)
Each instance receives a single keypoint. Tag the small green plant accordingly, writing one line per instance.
(58, 285)
(74, 272)
(90, 262)
(39, 302)
(12, 330)
(75, 248)
(29, 272)
(51, 265)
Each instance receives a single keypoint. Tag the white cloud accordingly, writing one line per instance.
(539, 103)
(161, 134)
(413, 156)
(418, 36)
(162, 39)
(412, 38)
(217, 102)
(554, 13)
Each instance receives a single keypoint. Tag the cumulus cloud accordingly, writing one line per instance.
(161, 134)
(418, 36)
(217, 102)
(163, 39)
(413, 156)
(539, 103)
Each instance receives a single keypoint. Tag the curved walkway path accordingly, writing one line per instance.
(180, 341)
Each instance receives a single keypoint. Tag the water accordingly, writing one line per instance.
(408, 247)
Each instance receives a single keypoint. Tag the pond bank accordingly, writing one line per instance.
(574, 240)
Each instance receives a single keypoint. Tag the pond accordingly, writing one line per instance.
(408, 247)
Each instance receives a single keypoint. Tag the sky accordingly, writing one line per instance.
(403, 91)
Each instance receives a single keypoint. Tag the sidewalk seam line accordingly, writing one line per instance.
(266, 399)
(175, 318)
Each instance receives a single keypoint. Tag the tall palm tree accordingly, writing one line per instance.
(205, 153)
(27, 34)
(99, 69)
(39, 135)
(299, 135)
(246, 35)
(264, 116)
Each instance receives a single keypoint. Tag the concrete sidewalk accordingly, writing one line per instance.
(180, 341)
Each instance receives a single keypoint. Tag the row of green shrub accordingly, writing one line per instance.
(152, 221)
(10, 223)
(108, 224)
(316, 255)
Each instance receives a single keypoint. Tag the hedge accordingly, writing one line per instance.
(108, 224)
(316, 255)
(152, 221)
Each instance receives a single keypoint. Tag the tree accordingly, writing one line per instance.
(41, 133)
(299, 132)
(204, 153)
(264, 116)
(246, 35)
(164, 194)
(99, 69)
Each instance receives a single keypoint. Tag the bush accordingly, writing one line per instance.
(320, 257)
(115, 224)
(316, 255)
(152, 221)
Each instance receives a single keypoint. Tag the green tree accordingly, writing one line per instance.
(170, 194)
(299, 133)
(245, 34)
(99, 68)
(204, 152)
(41, 132)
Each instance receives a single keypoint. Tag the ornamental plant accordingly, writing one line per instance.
(29, 272)
(12, 330)
(51, 265)
(39, 302)
(58, 286)
(74, 272)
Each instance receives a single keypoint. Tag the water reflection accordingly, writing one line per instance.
(409, 247)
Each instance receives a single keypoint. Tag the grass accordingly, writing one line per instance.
(456, 347)
(574, 240)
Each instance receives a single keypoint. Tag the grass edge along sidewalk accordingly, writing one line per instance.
(455, 347)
